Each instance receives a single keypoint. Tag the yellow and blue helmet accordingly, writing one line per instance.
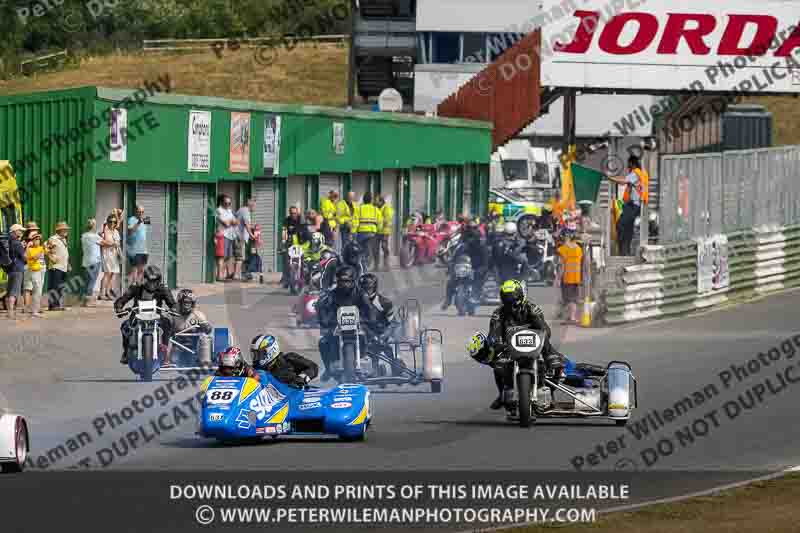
(264, 349)
(512, 293)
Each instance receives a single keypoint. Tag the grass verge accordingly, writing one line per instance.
(762, 507)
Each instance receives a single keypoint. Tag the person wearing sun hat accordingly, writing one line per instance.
(33, 282)
(58, 256)
(16, 270)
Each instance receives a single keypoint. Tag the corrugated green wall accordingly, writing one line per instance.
(51, 190)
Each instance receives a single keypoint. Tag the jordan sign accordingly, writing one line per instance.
(749, 46)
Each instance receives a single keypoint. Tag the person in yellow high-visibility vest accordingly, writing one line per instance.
(327, 207)
(345, 212)
(571, 255)
(368, 221)
(637, 185)
(386, 230)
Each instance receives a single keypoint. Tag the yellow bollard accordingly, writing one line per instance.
(586, 317)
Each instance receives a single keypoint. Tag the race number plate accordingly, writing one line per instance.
(526, 341)
(222, 396)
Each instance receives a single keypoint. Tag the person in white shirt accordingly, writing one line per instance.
(90, 244)
(228, 225)
(244, 215)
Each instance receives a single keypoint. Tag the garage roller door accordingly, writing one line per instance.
(265, 214)
(153, 198)
(419, 190)
(192, 240)
(360, 184)
(330, 183)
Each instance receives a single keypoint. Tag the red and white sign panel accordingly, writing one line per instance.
(732, 45)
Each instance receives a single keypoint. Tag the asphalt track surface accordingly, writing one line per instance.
(67, 381)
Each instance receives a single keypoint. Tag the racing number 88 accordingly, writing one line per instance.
(221, 396)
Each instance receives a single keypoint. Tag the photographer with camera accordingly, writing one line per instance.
(137, 245)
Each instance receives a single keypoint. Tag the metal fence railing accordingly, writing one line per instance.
(708, 194)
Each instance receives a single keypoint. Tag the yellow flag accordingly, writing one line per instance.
(9, 195)
(567, 183)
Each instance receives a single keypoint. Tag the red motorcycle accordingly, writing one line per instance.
(425, 243)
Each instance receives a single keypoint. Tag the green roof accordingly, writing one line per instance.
(117, 95)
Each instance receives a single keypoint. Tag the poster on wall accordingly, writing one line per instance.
(240, 142)
(199, 141)
(118, 136)
(272, 144)
(338, 138)
(712, 264)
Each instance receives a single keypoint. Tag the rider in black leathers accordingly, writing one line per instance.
(472, 245)
(517, 310)
(344, 293)
(509, 254)
(287, 367)
(151, 288)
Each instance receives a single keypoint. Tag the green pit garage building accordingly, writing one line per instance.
(180, 152)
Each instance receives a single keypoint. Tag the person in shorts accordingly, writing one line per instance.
(571, 266)
(16, 270)
(137, 245)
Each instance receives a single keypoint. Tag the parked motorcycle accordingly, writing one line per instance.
(145, 356)
(421, 244)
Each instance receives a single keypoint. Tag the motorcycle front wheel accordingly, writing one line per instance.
(147, 357)
(524, 399)
(349, 362)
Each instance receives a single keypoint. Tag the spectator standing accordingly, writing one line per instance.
(58, 256)
(33, 283)
(637, 184)
(313, 221)
(386, 229)
(227, 224)
(90, 246)
(245, 217)
(570, 266)
(345, 212)
(137, 245)
(328, 208)
(368, 221)
(111, 256)
(16, 270)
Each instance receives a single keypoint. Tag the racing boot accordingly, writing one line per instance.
(498, 402)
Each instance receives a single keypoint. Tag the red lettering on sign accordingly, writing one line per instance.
(792, 42)
(766, 26)
(648, 27)
(583, 37)
(676, 29)
(691, 28)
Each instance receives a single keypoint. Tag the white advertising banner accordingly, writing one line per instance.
(338, 138)
(118, 136)
(712, 264)
(199, 141)
(272, 144)
(738, 45)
